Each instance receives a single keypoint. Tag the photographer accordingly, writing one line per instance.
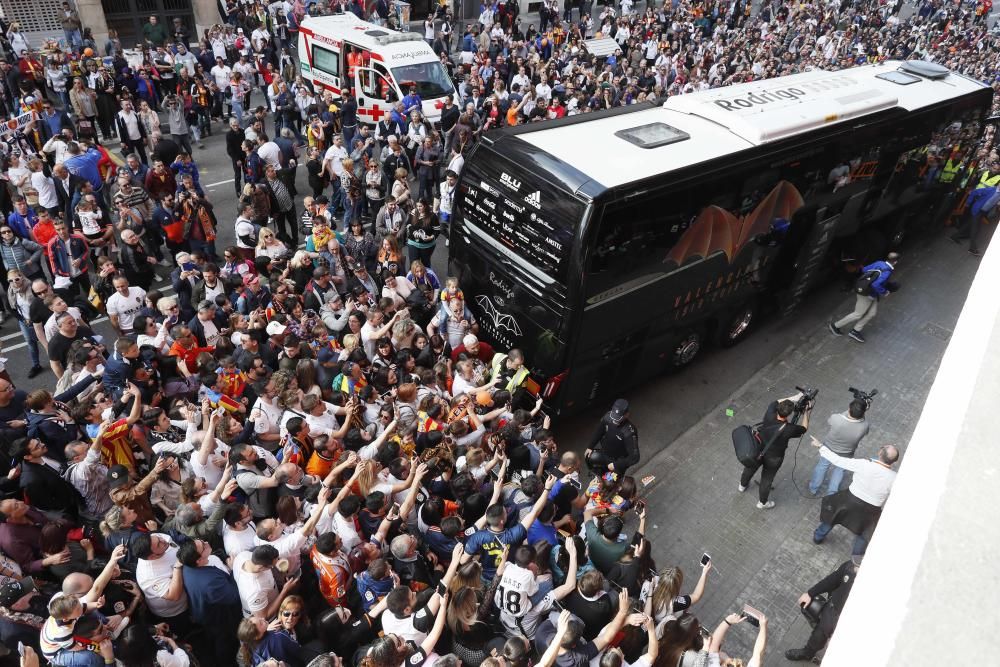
(846, 432)
(775, 432)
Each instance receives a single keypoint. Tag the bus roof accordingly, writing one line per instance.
(394, 46)
(698, 127)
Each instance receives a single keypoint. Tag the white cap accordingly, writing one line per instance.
(275, 328)
(469, 340)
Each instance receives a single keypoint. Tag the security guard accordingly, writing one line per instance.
(838, 585)
(615, 445)
(989, 177)
(951, 168)
(509, 368)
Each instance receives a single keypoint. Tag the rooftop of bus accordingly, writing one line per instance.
(716, 126)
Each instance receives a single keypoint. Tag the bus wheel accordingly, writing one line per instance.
(683, 349)
(736, 326)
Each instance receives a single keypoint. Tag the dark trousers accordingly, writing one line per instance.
(821, 633)
(286, 225)
(770, 467)
(237, 177)
(138, 147)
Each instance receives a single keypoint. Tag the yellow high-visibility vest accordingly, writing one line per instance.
(950, 171)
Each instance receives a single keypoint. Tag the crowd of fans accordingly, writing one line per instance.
(305, 455)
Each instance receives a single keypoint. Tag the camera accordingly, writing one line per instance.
(865, 396)
(808, 398)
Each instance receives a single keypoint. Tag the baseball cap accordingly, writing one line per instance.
(117, 476)
(14, 590)
(275, 328)
(618, 410)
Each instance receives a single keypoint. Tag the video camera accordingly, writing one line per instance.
(808, 397)
(865, 396)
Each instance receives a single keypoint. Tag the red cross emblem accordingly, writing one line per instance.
(375, 112)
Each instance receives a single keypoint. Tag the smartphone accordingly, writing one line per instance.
(395, 509)
(752, 615)
(20, 649)
(705, 558)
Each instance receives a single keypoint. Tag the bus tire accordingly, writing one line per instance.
(737, 324)
(683, 349)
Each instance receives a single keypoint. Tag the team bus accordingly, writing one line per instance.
(616, 245)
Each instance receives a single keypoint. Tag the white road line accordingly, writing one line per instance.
(212, 185)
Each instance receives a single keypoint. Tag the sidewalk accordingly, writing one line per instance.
(766, 557)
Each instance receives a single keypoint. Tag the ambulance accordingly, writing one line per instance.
(341, 53)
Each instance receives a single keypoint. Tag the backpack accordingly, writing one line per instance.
(863, 285)
(261, 502)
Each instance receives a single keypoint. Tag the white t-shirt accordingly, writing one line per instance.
(269, 419)
(517, 585)
(402, 627)
(211, 332)
(348, 533)
(335, 154)
(210, 472)
(126, 307)
(257, 589)
(47, 196)
(51, 328)
(238, 541)
(325, 423)
(222, 76)
(243, 228)
(153, 578)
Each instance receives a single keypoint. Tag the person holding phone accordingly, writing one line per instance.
(716, 638)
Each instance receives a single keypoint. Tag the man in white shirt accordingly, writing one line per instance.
(158, 574)
(124, 305)
(222, 73)
(334, 155)
(858, 507)
(259, 594)
(239, 533)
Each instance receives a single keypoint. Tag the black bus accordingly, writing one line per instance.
(613, 246)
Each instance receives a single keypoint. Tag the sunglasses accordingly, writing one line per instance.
(291, 614)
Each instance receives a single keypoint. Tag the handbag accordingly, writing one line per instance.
(94, 298)
(748, 444)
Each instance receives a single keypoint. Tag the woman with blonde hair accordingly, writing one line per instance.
(269, 245)
(401, 190)
(666, 602)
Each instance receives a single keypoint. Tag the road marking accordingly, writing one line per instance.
(212, 185)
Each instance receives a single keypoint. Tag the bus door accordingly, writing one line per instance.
(369, 87)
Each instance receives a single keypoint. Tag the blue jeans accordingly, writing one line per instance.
(819, 472)
(32, 339)
(860, 541)
(73, 40)
(238, 109)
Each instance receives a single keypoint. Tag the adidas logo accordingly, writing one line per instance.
(535, 199)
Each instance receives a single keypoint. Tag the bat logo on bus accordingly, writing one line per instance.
(500, 320)
(717, 230)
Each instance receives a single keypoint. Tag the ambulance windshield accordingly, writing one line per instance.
(430, 78)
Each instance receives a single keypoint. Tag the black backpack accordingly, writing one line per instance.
(863, 285)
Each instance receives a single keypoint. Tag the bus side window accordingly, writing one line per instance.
(634, 237)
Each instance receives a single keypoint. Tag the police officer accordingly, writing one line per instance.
(615, 445)
(838, 585)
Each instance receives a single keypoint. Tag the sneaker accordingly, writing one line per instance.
(158, 278)
(834, 330)
(35, 371)
(797, 654)
(856, 336)
(765, 506)
(165, 262)
(741, 488)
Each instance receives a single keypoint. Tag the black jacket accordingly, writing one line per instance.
(234, 145)
(619, 443)
(46, 490)
(66, 198)
(837, 585)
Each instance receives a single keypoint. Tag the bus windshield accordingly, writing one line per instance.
(520, 216)
(431, 79)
